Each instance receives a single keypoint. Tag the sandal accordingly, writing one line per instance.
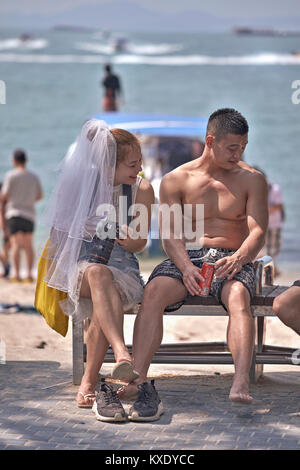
(86, 405)
(123, 370)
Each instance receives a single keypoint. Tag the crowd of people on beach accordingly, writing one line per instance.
(90, 259)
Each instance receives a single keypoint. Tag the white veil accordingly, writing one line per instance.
(85, 181)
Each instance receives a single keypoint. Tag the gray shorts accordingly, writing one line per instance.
(246, 276)
(296, 283)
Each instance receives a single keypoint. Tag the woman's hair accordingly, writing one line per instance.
(125, 142)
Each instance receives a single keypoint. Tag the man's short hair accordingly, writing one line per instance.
(19, 156)
(107, 68)
(226, 121)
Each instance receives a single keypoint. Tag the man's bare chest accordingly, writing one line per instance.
(221, 199)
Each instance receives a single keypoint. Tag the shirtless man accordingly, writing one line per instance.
(235, 199)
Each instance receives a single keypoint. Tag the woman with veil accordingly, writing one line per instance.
(92, 179)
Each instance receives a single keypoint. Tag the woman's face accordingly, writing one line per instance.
(128, 169)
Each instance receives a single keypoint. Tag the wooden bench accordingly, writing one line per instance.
(209, 353)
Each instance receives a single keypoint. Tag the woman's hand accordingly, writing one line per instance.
(190, 276)
(125, 239)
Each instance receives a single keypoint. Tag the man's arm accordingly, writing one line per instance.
(3, 201)
(257, 221)
(170, 194)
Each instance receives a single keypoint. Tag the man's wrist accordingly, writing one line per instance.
(242, 258)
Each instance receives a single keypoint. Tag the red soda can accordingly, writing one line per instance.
(207, 271)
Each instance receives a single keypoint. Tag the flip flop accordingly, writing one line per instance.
(123, 370)
(86, 405)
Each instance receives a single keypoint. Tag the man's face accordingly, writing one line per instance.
(128, 169)
(229, 149)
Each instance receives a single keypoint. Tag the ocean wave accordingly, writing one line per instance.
(178, 60)
(148, 49)
(183, 60)
(17, 43)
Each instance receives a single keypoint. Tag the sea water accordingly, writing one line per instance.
(52, 85)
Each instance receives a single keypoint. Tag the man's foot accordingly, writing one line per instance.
(123, 370)
(239, 393)
(107, 406)
(128, 392)
(148, 406)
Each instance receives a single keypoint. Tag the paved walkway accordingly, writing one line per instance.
(38, 411)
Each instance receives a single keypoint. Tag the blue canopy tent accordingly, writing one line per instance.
(167, 140)
(156, 124)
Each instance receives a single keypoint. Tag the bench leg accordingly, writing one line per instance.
(256, 370)
(78, 361)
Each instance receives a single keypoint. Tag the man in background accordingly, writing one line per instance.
(20, 191)
(112, 89)
(276, 219)
(4, 254)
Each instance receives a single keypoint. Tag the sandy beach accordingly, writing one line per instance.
(27, 336)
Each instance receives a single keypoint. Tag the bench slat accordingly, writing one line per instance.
(271, 296)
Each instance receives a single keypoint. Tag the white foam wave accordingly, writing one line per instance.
(148, 49)
(154, 48)
(17, 43)
(182, 60)
(178, 60)
(95, 47)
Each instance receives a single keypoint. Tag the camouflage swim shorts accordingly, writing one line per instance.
(167, 268)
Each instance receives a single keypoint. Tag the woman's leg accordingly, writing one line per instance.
(106, 325)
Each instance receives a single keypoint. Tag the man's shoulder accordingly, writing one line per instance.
(178, 173)
(249, 173)
(10, 173)
(10, 176)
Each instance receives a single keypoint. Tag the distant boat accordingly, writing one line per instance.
(25, 37)
(120, 44)
(265, 32)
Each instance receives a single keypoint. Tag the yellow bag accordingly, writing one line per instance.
(47, 299)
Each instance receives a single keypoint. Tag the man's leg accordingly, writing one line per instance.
(106, 326)
(148, 328)
(29, 253)
(287, 308)
(16, 245)
(240, 337)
